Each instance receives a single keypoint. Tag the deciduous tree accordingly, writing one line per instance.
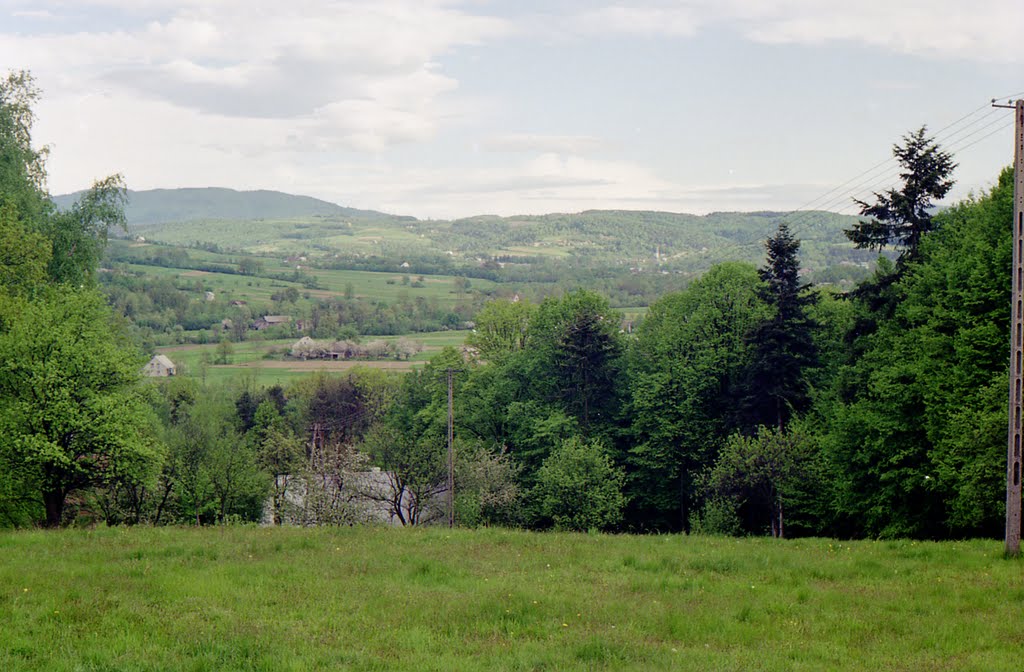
(71, 414)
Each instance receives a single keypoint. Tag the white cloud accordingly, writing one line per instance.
(982, 30)
(261, 58)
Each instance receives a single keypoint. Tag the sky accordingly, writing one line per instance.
(442, 109)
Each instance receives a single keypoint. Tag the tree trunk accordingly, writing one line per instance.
(53, 500)
(777, 531)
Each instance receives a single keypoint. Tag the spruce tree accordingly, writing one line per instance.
(900, 217)
(775, 386)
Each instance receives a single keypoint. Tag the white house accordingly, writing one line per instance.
(160, 365)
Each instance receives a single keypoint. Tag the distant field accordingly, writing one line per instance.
(244, 598)
(249, 358)
(373, 285)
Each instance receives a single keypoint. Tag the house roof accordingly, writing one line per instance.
(162, 360)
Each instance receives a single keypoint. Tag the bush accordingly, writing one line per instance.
(578, 487)
(718, 517)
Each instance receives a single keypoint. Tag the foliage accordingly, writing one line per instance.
(579, 488)
(24, 255)
(79, 234)
(573, 355)
(414, 473)
(917, 430)
(487, 491)
(783, 348)
(22, 167)
(760, 472)
(718, 517)
(71, 415)
(685, 369)
(501, 328)
(902, 217)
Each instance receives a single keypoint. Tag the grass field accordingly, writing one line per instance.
(249, 358)
(243, 598)
(365, 284)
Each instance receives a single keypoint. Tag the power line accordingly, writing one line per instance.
(882, 173)
(881, 164)
(875, 179)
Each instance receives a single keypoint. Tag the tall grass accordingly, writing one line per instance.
(242, 598)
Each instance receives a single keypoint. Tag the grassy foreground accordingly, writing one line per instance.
(243, 598)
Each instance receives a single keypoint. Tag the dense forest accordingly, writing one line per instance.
(748, 402)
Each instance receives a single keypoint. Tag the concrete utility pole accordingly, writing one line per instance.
(451, 453)
(1016, 408)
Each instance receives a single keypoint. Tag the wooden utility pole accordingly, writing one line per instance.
(451, 453)
(1016, 408)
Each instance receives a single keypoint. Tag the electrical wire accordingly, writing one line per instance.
(882, 174)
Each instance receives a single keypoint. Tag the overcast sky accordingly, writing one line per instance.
(439, 109)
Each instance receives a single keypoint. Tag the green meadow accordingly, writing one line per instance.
(372, 285)
(266, 364)
(364, 598)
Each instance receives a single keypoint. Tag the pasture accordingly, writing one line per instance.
(266, 364)
(372, 285)
(364, 598)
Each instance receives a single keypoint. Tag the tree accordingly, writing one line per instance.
(574, 356)
(71, 413)
(501, 328)
(278, 451)
(685, 367)
(486, 488)
(71, 417)
(224, 351)
(783, 346)
(79, 234)
(414, 473)
(917, 431)
(24, 255)
(579, 488)
(761, 471)
(901, 217)
(22, 167)
(31, 230)
(249, 266)
(409, 443)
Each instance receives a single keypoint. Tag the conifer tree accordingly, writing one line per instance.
(783, 348)
(900, 217)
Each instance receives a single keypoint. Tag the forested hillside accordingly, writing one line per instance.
(273, 223)
(159, 206)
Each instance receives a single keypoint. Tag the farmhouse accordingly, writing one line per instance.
(159, 365)
(270, 321)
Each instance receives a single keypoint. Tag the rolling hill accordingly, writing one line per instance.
(161, 206)
(276, 224)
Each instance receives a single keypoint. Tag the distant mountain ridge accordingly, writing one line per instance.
(162, 206)
(275, 223)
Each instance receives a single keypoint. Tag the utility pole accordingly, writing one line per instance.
(451, 452)
(1016, 408)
